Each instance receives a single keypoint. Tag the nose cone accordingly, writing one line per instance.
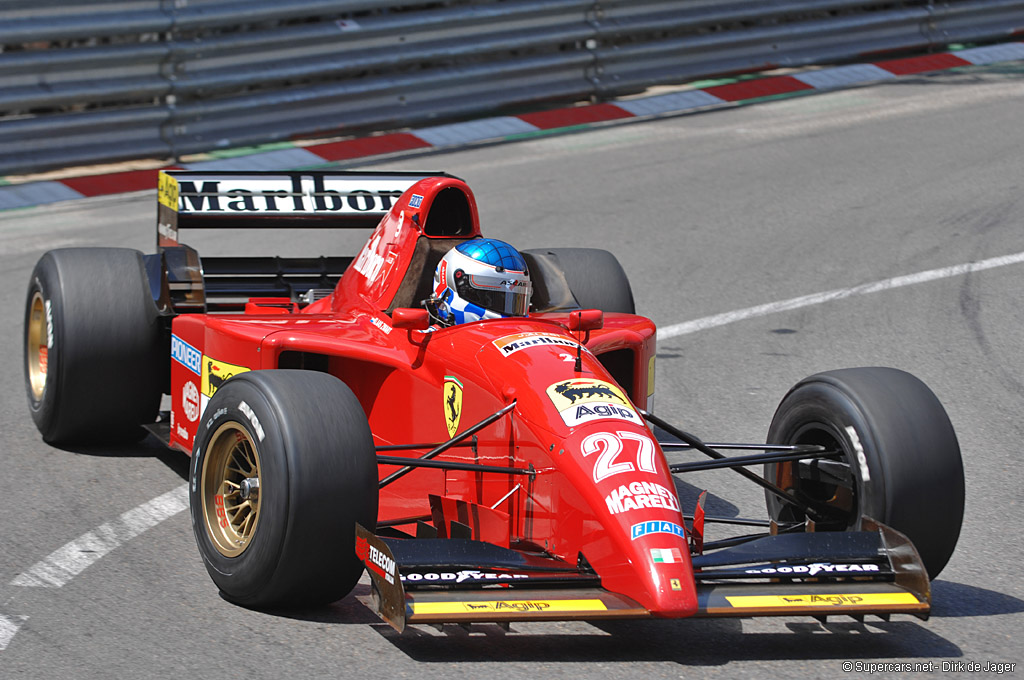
(641, 548)
(604, 486)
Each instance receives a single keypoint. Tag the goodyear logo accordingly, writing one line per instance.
(656, 527)
(167, 191)
(186, 355)
(215, 373)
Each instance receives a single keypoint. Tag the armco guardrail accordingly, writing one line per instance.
(90, 81)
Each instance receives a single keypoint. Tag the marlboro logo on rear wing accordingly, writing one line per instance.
(253, 199)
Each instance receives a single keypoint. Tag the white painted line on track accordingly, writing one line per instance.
(687, 327)
(8, 627)
(73, 558)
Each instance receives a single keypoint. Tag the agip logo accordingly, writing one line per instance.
(215, 373)
(582, 400)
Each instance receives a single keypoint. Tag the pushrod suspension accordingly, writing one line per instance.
(697, 444)
(681, 446)
(810, 452)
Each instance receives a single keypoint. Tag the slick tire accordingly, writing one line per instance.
(594, 277)
(901, 462)
(93, 346)
(283, 467)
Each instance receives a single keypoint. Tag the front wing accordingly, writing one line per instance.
(875, 571)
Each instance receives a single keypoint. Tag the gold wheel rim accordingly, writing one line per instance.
(38, 350)
(231, 497)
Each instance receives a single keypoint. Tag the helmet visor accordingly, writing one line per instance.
(507, 296)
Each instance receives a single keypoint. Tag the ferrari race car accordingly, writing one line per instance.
(504, 469)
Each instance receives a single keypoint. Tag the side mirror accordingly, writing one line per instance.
(586, 320)
(411, 318)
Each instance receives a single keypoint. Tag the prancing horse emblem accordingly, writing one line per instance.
(452, 394)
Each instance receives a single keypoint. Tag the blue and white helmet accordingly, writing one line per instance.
(481, 279)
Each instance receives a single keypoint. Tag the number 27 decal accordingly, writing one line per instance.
(610, 445)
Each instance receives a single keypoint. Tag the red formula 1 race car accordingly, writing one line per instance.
(404, 410)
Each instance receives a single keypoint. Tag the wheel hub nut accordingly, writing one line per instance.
(249, 488)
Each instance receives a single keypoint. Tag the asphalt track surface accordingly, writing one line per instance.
(856, 193)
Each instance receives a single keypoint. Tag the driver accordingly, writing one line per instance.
(480, 279)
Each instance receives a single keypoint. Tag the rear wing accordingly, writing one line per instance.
(262, 200)
(256, 199)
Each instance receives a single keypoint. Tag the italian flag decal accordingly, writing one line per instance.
(663, 555)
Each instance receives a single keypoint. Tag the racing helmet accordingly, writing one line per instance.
(481, 279)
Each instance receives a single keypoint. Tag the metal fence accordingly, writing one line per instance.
(86, 81)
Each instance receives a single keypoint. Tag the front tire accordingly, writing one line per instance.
(901, 462)
(283, 467)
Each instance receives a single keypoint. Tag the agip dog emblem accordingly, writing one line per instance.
(216, 373)
(452, 394)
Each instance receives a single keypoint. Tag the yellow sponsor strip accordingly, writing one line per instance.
(167, 191)
(822, 600)
(508, 606)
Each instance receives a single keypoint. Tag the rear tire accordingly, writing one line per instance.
(901, 461)
(92, 351)
(593, 277)
(289, 537)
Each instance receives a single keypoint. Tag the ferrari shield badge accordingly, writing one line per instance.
(452, 394)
